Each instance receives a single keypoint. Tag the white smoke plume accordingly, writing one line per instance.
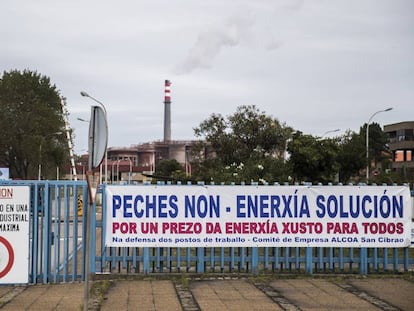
(210, 43)
(237, 30)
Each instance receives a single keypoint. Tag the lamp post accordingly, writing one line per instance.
(84, 94)
(331, 131)
(367, 139)
(97, 143)
(43, 138)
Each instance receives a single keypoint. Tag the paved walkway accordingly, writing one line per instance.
(389, 293)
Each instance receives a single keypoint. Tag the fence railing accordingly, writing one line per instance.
(56, 243)
(246, 259)
(57, 246)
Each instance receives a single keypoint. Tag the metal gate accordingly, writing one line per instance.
(56, 247)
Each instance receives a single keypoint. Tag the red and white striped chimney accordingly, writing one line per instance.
(167, 95)
(167, 111)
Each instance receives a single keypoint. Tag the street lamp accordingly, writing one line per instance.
(43, 138)
(92, 129)
(331, 131)
(84, 94)
(367, 139)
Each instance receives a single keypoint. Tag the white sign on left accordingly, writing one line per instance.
(14, 234)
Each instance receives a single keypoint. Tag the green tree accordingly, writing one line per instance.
(31, 125)
(351, 156)
(378, 139)
(247, 146)
(313, 159)
(169, 170)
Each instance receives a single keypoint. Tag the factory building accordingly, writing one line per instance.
(138, 162)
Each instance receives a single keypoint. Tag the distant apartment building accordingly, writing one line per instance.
(401, 144)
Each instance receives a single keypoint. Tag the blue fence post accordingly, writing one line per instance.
(75, 233)
(255, 260)
(395, 257)
(406, 259)
(200, 259)
(385, 256)
(36, 252)
(363, 261)
(146, 260)
(375, 259)
(47, 238)
(308, 260)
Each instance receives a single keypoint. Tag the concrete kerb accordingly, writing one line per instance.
(409, 276)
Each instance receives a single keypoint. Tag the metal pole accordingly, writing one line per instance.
(98, 129)
(87, 253)
(39, 173)
(331, 131)
(83, 93)
(88, 214)
(367, 140)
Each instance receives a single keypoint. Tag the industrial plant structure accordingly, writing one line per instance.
(138, 163)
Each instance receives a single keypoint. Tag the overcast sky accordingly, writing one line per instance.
(314, 65)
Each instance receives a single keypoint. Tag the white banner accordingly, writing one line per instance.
(237, 216)
(14, 234)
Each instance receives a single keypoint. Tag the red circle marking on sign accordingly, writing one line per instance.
(11, 257)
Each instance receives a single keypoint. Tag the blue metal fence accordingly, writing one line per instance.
(57, 246)
(247, 259)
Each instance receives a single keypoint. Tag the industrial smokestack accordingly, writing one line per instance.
(167, 111)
